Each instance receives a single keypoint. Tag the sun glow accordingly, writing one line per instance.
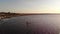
(30, 6)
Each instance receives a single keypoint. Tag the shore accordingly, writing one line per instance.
(4, 15)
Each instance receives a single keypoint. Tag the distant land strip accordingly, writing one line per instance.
(4, 15)
(39, 14)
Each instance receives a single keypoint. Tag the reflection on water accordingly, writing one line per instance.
(32, 24)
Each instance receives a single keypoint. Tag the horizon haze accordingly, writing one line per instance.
(30, 6)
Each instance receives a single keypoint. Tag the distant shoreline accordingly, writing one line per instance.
(4, 15)
(8, 13)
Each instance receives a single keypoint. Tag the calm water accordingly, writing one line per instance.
(32, 24)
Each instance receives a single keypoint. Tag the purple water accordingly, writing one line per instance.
(32, 24)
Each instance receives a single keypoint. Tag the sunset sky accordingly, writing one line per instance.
(30, 6)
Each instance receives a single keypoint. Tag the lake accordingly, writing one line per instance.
(31, 24)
